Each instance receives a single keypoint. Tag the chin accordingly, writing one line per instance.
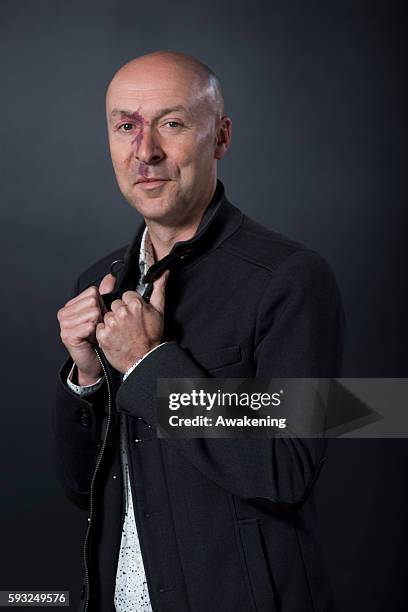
(157, 208)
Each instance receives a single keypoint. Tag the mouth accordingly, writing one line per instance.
(151, 184)
(151, 180)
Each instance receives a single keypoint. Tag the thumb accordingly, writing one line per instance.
(157, 298)
(107, 284)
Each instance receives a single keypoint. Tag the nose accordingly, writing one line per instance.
(147, 147)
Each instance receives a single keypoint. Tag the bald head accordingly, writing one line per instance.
(167, 130)
(146, 71)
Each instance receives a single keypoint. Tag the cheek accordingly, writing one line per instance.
(120, 150)
(186, 154)
(198, 153)
(121, 159)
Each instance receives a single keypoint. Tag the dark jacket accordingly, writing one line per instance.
(224, 525)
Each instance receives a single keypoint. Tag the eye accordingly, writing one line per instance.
(176, 123)
(126, 127)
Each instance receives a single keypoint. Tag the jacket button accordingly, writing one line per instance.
(86, 417)
(116, 266)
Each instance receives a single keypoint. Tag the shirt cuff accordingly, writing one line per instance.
(83, 389)
(126, 374)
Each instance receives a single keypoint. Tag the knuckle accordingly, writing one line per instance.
(136, 304)
(91, 293)
(94, 313)
(100, 331)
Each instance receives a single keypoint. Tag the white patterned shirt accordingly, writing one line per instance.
(131, 592)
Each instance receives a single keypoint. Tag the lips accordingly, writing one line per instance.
(150, 180)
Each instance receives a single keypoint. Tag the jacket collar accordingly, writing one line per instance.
(220, 219)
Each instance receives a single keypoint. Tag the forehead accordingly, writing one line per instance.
(150, 94)
(149, 103)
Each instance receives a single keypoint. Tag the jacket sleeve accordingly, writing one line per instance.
(77, 423)
(298, 333)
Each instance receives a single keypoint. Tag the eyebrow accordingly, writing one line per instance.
(161, 113)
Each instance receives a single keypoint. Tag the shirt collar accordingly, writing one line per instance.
(146, 254)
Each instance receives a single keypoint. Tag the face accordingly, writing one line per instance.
(164, 141)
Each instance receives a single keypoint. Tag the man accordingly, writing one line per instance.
(202, 290)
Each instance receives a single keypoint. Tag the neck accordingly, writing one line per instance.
(163, 237)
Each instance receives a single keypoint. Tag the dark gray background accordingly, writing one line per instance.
(318, 99)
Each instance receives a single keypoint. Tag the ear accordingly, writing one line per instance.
(224, 135)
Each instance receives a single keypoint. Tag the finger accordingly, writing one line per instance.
(107, 284)
(117, 305)
(85, 331)
(157, 299)
(89, 291)
(132, 296)
(92, 315)
(109, 318)
(86, 303)
(100, 333)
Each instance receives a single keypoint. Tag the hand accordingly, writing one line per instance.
(78, 320)
(133, 327)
